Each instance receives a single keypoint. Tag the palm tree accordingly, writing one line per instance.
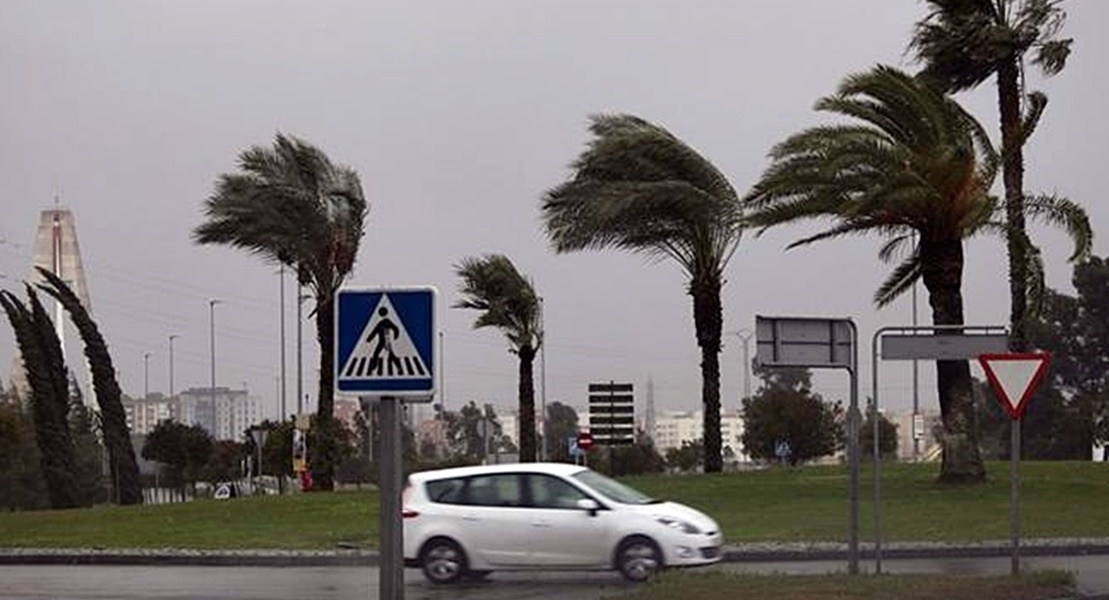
(45, 367)
(916, 170)
(637, 187)
(117, 436)
(507, 301)
(962, 43)
(290, 205)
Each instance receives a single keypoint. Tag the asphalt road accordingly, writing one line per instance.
(350, 583)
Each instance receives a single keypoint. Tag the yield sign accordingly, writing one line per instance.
(1015, 377)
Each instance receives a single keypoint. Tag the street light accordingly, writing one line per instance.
(543, 378)
(146, 376)
(172, 337)
(282, 342)
(212, 338)
(300, 360)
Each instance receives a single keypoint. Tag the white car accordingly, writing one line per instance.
(470, 521)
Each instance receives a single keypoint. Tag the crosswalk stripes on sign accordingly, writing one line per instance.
(384, 349)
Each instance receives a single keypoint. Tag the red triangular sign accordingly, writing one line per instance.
(1014, 377)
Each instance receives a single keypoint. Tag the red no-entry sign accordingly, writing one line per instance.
(585, 440)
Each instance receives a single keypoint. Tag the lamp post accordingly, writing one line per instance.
(282, 272)
(543, 379)
(300, 359)
(442, 384)
(171, 338)
(212, 339)
(146, 376)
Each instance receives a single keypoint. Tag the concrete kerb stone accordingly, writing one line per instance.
(764, 552)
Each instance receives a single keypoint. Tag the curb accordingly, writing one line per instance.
(785, 552)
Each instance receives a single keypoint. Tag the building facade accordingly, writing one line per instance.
(144, 414)
(224, 413)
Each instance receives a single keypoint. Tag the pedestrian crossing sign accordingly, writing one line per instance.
(385, 342)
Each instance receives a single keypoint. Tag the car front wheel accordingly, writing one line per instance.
(638, 558)
(442, 561)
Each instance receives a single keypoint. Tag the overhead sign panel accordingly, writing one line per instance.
(1015, 377)
(942, 346)
(804, 342)
(385, 342)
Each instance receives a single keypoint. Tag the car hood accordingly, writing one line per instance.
(679, 511)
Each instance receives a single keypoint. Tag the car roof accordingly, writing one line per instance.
(564, 469)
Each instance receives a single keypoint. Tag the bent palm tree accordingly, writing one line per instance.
(508, 301)
(117, 436)
(290, 205)
(917, 167)
(962, 44)
(45, 369)
(637, 187)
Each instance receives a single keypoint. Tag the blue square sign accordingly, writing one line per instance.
(385, 342)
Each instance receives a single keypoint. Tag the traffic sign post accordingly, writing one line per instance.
(1014, 378)
(385, 349)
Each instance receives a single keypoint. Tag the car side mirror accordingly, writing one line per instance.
(589, 504)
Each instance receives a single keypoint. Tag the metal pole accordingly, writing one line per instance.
(300, 365)
(391, 582)
(171, 338)
(212, 339)
(876, 452)
(916, 391)
(1014, 493)
(543, 379)
(146, 376)
(282, 294)
(442, 385)
(853, 458)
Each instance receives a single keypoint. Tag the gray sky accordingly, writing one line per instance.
(458, 115)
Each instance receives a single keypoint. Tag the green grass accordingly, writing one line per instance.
(725, 586)
(803, 504)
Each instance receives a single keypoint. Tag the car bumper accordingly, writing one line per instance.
(694, 550)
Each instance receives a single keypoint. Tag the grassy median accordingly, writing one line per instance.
(810, 504)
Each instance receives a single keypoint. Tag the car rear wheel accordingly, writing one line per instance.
(442, 561)
(638, 558)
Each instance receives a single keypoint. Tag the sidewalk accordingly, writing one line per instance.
(764, 552)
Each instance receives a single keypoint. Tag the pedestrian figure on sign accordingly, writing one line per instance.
(382, 331)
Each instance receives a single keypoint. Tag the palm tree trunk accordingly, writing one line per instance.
(324, 453)
(1008, 99)
(708, 320)
(526, 391)
(943, 273)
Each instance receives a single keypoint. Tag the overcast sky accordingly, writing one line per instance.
(458, 115)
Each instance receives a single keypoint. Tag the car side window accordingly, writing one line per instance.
(495, 490)
(446, 491)
(551, 492)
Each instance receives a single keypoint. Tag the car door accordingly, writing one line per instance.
(564, 534)
(495, 522)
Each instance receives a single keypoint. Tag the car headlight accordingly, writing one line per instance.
(678, 524)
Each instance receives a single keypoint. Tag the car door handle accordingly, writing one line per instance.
(540, 524)
(471, 519)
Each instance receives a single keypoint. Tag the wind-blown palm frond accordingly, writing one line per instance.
(291, 205)
(899, 281)
(1065, 214)
(637, 187)
(507, 301)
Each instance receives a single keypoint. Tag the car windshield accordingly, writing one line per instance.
(612, 489)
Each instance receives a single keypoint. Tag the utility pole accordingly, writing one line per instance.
(543, 380)
(282, 295)
(212, 339)
(146, 376)
(171, 338)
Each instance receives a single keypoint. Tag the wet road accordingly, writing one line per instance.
(350, 583)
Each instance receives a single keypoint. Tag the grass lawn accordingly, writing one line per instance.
(802, 504)
(723, 586)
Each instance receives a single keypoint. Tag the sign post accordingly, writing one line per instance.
(1014, 377)
(821, 343)
(385, 349)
